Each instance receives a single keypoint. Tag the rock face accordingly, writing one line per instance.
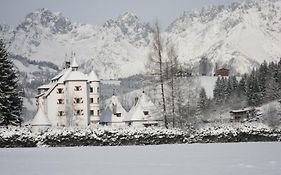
(237, 37)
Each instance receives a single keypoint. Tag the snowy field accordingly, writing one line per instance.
(199, 159)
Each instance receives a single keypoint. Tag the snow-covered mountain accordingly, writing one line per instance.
(239, 36)
(113, 49)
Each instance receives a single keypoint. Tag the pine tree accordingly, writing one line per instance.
(10, 96)
(203, 100)
(242, 86)
(217, 91)
(253, 90)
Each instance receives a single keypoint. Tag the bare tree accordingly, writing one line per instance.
(172, 72)
(155, 65)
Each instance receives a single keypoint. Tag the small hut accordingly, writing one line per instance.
(242, 114)
(222, 72)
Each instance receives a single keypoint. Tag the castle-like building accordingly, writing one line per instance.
(70, 99)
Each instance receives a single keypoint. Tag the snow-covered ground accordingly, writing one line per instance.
(199, 159)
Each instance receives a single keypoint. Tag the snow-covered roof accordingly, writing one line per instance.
(93, 76)
(108, 115)
(40, 119)
(76, 75)
(59, 75)
(144, 104)
(45, 86)
(242, 110)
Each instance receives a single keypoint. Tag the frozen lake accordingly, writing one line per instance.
(199, 159)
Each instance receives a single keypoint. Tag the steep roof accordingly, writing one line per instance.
(108, 115)
(40, 119)
(143, 104)
(76, 75)
(93, 77)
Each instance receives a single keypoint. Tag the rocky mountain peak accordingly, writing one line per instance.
(56, 22)
(130, 27)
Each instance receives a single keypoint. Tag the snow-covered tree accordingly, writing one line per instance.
(10, 96)
(253, 90)
(155, 65)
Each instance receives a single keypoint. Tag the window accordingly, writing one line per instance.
(145, 112)
(98, 89)
(98, 100)
(79, 112)
(91, 100)
(118, 114)
(91, 112)
(60, 101)
(60, 113)
(77, 88)
(60, 90)
(91, 89)
(78, 100)
(98, 111)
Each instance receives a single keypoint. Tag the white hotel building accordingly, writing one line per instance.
(70, 99)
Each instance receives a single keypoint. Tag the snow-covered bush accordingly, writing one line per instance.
(108, 136)
(17, 137)
(235, 132)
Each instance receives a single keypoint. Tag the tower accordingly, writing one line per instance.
(94, 96)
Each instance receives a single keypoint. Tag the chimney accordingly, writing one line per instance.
(67, 64)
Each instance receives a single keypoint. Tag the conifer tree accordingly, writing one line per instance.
(10, 96)
(253, 90)
(203, 100)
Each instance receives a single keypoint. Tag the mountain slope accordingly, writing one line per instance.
(239, 36)
(112, 49)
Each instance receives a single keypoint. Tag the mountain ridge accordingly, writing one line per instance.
(238, 36)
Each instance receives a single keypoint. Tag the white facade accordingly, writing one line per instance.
(71, 98)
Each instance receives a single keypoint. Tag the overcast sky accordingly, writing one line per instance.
(98, 11)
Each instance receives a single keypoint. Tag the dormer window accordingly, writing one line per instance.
(118, 114)
(77, 88)
(145, 112)
(60, 90)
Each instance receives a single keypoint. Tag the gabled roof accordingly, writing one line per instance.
(40, 119)
(93, 77)
(143, 104)
(108, 115)
(68, 74)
